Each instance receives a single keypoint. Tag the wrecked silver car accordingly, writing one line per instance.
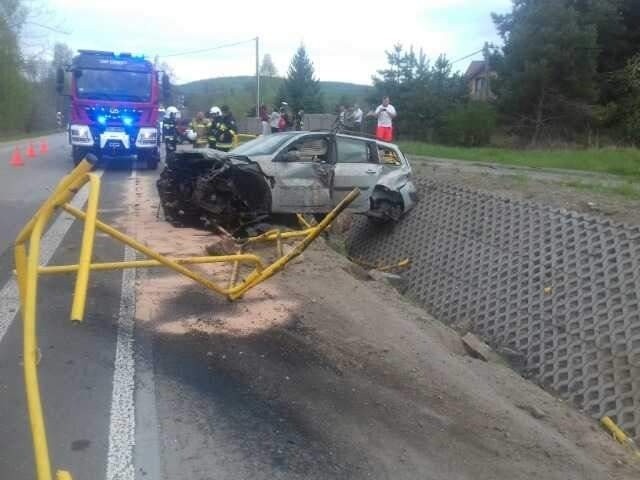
(289, 172)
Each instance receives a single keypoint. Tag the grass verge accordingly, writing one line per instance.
(626, 190)
(617, 161)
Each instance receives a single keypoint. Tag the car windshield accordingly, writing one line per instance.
(114, 85)
(264, 145)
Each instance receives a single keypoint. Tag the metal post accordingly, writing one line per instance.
(258, 77)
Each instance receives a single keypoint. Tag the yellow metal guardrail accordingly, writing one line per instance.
(620, 436)
(239, 138)
(28, 271)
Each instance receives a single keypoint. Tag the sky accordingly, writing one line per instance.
(346, 40)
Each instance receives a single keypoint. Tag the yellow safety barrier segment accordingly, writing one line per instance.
(28, 270)
(239, 138)
(619, 435)
(382, 268)
(303, 221)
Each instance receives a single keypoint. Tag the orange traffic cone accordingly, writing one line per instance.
(31, 152)
(16, 159)
(44, 148)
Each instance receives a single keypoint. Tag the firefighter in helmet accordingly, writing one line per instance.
(223, 128)
(169, 134)
(199, 127)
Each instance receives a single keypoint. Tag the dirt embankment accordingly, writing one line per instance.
(366, 384)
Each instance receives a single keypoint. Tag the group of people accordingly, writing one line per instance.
(351, 119)
(215, 130)
(218, 128)
(275, 119)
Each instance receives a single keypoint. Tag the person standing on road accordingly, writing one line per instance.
(223, 130)
(200, 126)
(299, 120)
(357, 118)
(284, 123)
(264, 120)
(275, 120)
(342, 116)
(385, 114)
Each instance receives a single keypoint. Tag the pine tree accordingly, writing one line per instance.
(301, 90)
(267, 68)
(422, 92)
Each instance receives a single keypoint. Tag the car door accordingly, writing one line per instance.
(303, 176)
(357, 166)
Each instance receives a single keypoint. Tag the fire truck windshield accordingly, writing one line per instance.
(113, 85)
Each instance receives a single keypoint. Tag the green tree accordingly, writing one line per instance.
(422, 93)
(470, 124)
(301, 89)
(267, 68)
(547, 70)
(625, 112)
(14, 89)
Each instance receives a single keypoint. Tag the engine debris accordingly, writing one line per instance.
(208, 188)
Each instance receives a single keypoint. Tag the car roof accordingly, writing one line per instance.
(348, 135)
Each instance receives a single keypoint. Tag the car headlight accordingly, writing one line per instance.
(81, 135)
(147, 137)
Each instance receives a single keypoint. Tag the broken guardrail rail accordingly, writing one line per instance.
(28, 270)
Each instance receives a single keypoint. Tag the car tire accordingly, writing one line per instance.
(151, 159)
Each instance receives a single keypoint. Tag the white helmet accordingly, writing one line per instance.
(215, 111)
(172, 110)
(191, 135)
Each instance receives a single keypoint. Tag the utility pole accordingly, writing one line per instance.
(257, 76)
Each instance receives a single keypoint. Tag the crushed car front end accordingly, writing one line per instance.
(394, 193)
(209, 188)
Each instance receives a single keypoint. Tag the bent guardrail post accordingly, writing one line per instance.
(28, 270)
(86, 250)
(314, 233)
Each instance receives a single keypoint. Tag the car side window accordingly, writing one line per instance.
(389, 156)
(308, 150)
(351, 150)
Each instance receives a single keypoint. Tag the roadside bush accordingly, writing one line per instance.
(470, 124)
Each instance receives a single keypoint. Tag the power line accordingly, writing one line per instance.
(190, 52)
(489, 45)
(467, 56)
(47, 27)
(41, 25)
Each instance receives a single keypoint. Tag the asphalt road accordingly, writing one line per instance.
(122, 403)
(88, 392)
(316, 389)
(22, 189)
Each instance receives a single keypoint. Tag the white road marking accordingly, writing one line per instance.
(147, 448)
(9, 295)
(122, 423)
